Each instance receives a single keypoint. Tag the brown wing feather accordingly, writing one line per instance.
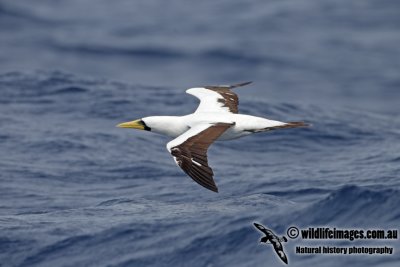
(191, 155)
(229, 98)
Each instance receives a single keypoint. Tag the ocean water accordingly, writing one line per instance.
(77, 191)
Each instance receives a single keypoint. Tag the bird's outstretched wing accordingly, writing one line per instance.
(190, 152)
(263, 229)
(281, 253)
(218, 98)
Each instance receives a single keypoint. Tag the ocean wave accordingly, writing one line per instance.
(380, 206)
(64, 164)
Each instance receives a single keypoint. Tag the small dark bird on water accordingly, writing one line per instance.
(274, 240)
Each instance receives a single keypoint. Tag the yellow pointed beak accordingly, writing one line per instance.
(137, 124)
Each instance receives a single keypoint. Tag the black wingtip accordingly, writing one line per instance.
(214, 189)
(258, 226)
(239, 84)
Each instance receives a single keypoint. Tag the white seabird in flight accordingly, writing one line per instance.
(216, 118)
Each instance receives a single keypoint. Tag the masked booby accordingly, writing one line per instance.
(216, 118)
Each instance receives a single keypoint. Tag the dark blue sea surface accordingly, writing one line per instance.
(77, 191)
